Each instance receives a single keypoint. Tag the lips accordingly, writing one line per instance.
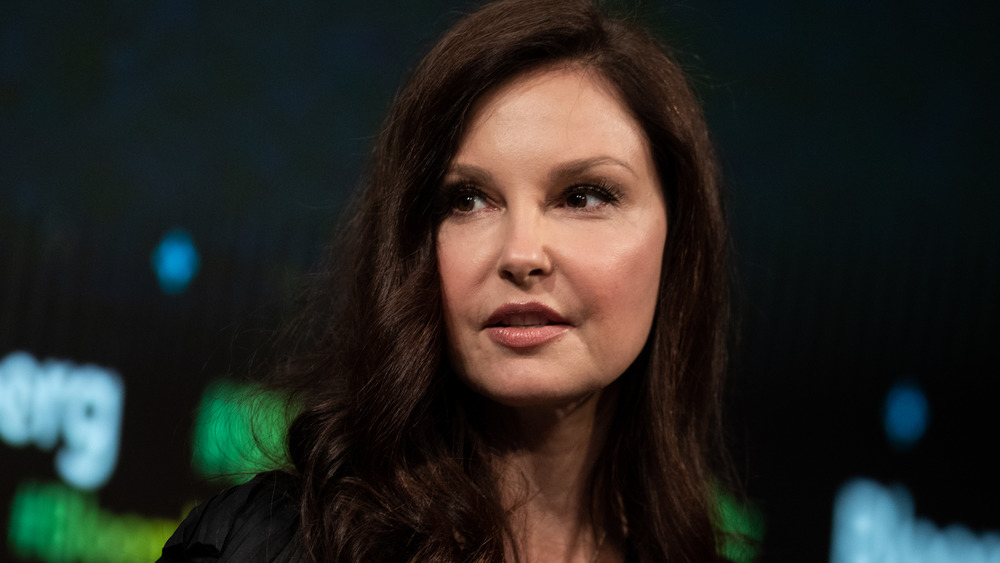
(525, 325)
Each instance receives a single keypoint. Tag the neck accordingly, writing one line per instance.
(547, 476)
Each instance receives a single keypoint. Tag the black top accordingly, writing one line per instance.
(256, 522)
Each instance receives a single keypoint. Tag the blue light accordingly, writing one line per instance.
(175, 261)
(75, 410)
(874, 524)
(906, 414)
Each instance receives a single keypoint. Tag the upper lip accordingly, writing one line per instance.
(524, 314)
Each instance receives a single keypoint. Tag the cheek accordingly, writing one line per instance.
(461, 270)
(619, 286)
(450, 275)
(621, 274)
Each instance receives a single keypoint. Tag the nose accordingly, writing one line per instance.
(525, 254)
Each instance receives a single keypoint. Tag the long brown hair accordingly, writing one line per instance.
(393, 466)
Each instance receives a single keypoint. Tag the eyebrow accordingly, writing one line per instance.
(582, 165)
(469, 172)
(571, 168)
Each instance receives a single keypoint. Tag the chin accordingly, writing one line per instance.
(529, 396)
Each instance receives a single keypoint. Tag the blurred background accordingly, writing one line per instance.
(170, 170)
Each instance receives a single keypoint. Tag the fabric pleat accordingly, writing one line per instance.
(256, 522)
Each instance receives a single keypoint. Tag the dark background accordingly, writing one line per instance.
(860, 145)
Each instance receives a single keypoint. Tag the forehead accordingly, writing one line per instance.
(569, 107)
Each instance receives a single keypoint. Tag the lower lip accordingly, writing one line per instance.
(516, 337)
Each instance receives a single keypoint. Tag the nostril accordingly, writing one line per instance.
(519, 276)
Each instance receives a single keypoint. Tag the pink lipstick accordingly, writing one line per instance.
(525, 325)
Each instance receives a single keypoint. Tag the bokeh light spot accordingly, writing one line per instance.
(906, 415)
(56, 523)
(239, 431)
(873, 523)
(175, 261)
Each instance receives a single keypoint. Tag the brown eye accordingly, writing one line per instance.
(467, 202)
(576, 200)
(587, 197)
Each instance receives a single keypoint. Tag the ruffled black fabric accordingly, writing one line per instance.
(257, 522)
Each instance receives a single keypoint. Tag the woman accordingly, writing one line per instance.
(515, 353)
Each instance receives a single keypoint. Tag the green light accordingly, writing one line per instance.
(738, 521)
(59, 524)
(240, 431)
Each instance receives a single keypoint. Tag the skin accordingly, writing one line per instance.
(528, 225)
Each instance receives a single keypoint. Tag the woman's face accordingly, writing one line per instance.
(550, 256)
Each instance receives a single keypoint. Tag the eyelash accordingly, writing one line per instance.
(607, 192)
(453, 193)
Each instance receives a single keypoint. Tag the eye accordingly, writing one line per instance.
(581, 200)
(590, 196)
(467, 201)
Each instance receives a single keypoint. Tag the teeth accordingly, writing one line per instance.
(524, 320)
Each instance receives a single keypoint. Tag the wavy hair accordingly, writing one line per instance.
(392, 464)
